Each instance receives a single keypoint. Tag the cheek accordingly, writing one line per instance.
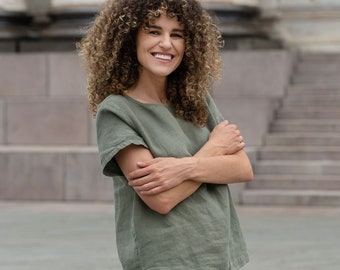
(141, 52)
(181, 49)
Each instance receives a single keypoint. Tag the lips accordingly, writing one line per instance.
(162, 56)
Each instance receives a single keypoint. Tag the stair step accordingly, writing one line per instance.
(58, 173)
(301, 167)
(318, 68)
(316, 78)
(307, 112)
(305, 68)
(311, 89)
(311, 100)
(292, 197)
(315, 57)
(304, 138)
(333, 109)
(299, 153)
(317, 182)
(306, 125)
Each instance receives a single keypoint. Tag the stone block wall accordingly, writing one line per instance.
(47, 136)
(44, 100)
(52, 173)
(48, 145)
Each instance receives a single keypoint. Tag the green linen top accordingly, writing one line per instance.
(201, 232)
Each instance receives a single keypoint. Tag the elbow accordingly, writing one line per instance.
(249, 177)
(161, 204)
(246, 174)
(246, 169)
(249, 174)
(163, 210)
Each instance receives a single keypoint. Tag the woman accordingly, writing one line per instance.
(151, 64)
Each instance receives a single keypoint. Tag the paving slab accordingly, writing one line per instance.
(72, 236)
(296, 238)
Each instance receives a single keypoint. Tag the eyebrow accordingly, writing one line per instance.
(160, 28)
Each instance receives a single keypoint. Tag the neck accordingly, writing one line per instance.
(149, 89)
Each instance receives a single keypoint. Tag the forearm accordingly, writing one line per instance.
(222, 159)
(165, 201)
(225, 169)
(208, 165)
(161, 202)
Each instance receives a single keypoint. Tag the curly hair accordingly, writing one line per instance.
(109, 53)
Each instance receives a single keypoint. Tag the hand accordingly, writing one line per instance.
(159, 174)
(226, 139)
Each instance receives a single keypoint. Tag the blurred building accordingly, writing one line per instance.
(246, 24)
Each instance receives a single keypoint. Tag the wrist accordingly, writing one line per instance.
(210, 149)
(191, 164)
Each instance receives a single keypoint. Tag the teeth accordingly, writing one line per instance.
(163, 57)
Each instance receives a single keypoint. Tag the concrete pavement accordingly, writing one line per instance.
(72, 236)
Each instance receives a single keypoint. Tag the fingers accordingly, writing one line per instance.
(146, 180)
(145, 187)
(152, 191)
(224, 123)
(237, 132)
(138, 174)
(241, 140)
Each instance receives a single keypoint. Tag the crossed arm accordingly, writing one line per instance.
(162, 183)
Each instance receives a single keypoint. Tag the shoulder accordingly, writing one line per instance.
(114, 108)
(112, 102)
(210, 101)
(214, 112)
(115, 105)
(211, 104)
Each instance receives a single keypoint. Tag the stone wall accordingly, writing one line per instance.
(44, 94)
(48, 146)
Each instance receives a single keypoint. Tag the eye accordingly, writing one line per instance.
(154, 33)
(177, 35)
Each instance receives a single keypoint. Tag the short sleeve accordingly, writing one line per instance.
(114, 133)
(215, 113)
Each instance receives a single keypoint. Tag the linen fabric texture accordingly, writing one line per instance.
(203, 231)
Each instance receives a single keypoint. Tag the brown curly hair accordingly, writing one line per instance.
(109, 53)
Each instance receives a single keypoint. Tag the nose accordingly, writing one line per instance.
(165, 42)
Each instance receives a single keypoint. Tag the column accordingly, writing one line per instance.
(308, 25)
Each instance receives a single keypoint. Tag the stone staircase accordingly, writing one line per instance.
(299, 163)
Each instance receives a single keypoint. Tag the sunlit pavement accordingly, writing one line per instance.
(72, 236)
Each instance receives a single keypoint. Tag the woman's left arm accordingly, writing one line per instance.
(226, 163)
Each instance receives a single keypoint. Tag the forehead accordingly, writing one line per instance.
(153, 15)
(165, 21)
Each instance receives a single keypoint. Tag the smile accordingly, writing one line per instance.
(162, 56)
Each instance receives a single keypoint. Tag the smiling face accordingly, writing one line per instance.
(160, 47)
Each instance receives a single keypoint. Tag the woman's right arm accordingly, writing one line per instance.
(162, 202)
